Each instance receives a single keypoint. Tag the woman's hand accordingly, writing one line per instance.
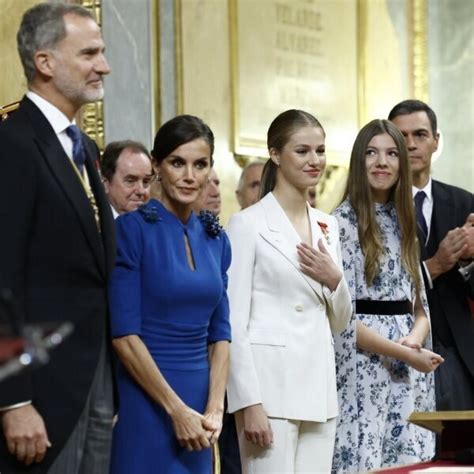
(213, 424)
(191, 429)
(257, 428)
(411, 340)
(423, 360)
(319, 265)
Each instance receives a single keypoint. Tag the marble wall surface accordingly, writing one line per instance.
(130, 102)
(451, 74)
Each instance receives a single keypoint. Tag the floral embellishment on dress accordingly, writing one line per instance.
(324, 229)
(211, 223)
(149, 213)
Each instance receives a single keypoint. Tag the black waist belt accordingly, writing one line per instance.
(383, 307)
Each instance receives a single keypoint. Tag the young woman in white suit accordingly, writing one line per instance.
(287, 296)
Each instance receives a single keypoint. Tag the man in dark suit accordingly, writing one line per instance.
(56, 249)
(127, 174)
(445, 217)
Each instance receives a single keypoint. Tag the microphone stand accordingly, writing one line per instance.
(27, 346)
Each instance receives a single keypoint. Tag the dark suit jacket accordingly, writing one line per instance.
(56, 262)
(448, 300)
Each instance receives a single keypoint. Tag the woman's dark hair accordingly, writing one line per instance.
(278, 135)
(178, 131)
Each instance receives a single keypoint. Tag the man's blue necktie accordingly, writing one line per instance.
(78, 153)
(420, 218)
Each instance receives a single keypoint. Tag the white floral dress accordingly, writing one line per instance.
(376, 393)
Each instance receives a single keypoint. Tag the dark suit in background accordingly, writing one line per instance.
(453, 325)
(56, 261)
(449, 246)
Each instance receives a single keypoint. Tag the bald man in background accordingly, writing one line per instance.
(210, 199)
(248, 188)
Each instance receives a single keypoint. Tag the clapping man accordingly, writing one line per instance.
(445, 219)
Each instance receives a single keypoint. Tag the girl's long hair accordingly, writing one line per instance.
(359, 194)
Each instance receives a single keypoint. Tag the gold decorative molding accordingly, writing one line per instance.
(234, 78)
(418, 15)
(92, 115)
(361, 63)
(178, 45)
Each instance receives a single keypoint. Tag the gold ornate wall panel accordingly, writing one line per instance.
(418, 15)
(240, 62)
(393, 55)
(362, 15)
(384, 57)
(205, 90)
(293, 54)
(92, 115)
(13, 82)
(179, 66)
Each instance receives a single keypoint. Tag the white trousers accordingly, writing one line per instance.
(298, 447)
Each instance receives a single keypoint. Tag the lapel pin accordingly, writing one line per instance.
(324, 229)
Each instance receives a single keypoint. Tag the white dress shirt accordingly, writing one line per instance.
(114, 212)
(58, 121)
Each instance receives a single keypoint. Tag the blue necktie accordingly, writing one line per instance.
(78, 153)
(420, 218)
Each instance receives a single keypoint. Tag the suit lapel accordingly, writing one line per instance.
(66, 177)
(316, 231)
(443, 218)
(106, 218)
(281, 235)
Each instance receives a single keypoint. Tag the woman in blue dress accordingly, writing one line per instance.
(384, 365)
(170, 316)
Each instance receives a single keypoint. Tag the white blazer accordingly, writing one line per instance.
(282, 351)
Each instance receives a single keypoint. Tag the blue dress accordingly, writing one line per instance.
(177, 312)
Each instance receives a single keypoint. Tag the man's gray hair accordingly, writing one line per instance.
(42, 27)
(250, 165)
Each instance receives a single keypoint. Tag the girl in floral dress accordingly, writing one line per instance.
(384, 370)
